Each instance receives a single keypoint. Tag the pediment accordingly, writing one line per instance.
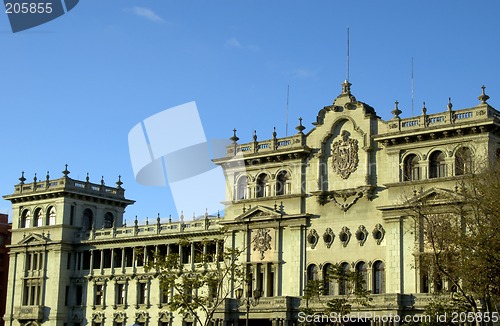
(435, 195)
(259, 213)
(34, 238)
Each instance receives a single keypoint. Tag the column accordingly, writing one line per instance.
(192, 255)
(112, 261)
(91, 261)
(123, 260)
(102, 262)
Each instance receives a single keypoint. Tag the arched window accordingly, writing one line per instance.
(312, 273)
(241, 188)
(411, 171)
(262, 185)
(437, 165)
(108, 220)
(26, 219)
(378, 277)
(283, 183)
(88, 219)
(38, 219)
(361, 276)
(51, 216)
(463, 161)
(328, 281)
(343, 279)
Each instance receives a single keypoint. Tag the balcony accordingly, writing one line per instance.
(29, 312)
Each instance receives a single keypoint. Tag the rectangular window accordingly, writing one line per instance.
(120, 294)
(98, 295)
(72, 215)
(68, 262)
(66, 294)
(164, 294)
(79, 295)
(142, 293)
(86, 260)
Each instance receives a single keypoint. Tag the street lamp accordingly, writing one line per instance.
(248, 301)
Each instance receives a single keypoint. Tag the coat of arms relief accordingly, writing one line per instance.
(262, 242)
(345, 155)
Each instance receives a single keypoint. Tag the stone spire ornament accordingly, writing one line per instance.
(235, 138)
(300, 128)
(483, 97)
(396, 111)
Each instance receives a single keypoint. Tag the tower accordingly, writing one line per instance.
(49, 218)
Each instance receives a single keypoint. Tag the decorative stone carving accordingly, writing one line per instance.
(141, 316)
(361, 235)
(165, 316)
(328, 237)
(312, 238)
(378, 233)
(344, 199)
(345, 236)
(345, 155)
(262, 242)
(119, 317)
(98, 317)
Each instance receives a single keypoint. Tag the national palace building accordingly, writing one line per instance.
(330, 196)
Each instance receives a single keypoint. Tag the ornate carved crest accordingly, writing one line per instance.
(345, 236)
(119, 317)
(262, 241)
(165, 316)
(345, 155)
(378, 233)
(141, 316)
(361, 235)
(328, 237)
(98, 317)
(312, 238)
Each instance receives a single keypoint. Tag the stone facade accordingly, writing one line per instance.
(296, 204)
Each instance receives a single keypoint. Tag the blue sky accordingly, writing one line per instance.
(71, 89)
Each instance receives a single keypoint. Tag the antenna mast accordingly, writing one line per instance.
(347, 76)
(286, 110)
(412, 87)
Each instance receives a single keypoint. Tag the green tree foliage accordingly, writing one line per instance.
(355, 294)
(199, 288)
(460, 240)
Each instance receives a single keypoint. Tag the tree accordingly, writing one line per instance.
(200, 288)
(354, 293)
(460, 239)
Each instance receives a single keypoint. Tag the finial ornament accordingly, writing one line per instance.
(22, 178)
(65, 172)
(102, 180)
(300, 128)
(35, 179)
(424, 109)
(119, 182)
(483, 97)
(346, 87)
(274, 133)
(255, 135)
(396, 110)
(235, 138)
(87, 178)
(47, 177)
(449, 106)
